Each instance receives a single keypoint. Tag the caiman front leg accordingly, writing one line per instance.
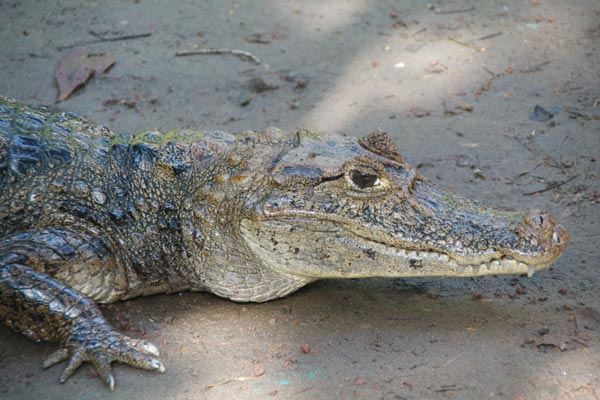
(43, 308)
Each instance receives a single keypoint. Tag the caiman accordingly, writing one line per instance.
(87, 217)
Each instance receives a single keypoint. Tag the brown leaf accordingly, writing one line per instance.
(305, 349)
(76, 67)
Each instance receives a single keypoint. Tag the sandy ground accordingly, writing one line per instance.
(455, 83)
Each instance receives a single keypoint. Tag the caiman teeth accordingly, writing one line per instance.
(495, 266)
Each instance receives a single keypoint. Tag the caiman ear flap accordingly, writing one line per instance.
(380, 143)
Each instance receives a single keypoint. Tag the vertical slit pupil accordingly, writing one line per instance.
(362, 179)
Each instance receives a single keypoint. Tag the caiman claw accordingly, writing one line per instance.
(102, 347)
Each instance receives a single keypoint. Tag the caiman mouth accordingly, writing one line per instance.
(438, 261)
(449, 236)
(493, 263)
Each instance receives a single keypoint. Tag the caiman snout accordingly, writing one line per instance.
(543, 237)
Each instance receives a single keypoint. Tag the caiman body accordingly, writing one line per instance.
(87, 217)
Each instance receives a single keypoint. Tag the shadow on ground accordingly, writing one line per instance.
(455, 83)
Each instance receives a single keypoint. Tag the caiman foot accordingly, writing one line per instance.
(44, 308)
(98, 343)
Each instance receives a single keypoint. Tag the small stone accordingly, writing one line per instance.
(258, 85)
(259, 370)
(244, 99)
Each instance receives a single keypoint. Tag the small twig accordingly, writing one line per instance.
(418, 32)
(453, 359)
(575, 323)
(551, 186)
(493, 35)
(451, 388)
(107, 39)
(125, 37)
(588, 117)
(535, 68)
(462, 10)
(466, 44)
(540, 153)
(547, 157)
(244, 55)
(240, 378)
(486, 69)
(522, 174)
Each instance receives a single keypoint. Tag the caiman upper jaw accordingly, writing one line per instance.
(525, 243)
(536, 241)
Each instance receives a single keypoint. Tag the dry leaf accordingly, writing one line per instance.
(76, 67)
(465, 107)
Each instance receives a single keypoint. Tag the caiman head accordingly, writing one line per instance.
(342, 207)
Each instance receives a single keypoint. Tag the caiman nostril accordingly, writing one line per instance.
(560, 236)
(540, 220)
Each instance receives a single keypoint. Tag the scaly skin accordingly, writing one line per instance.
(89, 217)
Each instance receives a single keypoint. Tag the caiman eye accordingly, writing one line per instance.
(362, 179)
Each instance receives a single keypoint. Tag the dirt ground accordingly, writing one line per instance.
(455, 82)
